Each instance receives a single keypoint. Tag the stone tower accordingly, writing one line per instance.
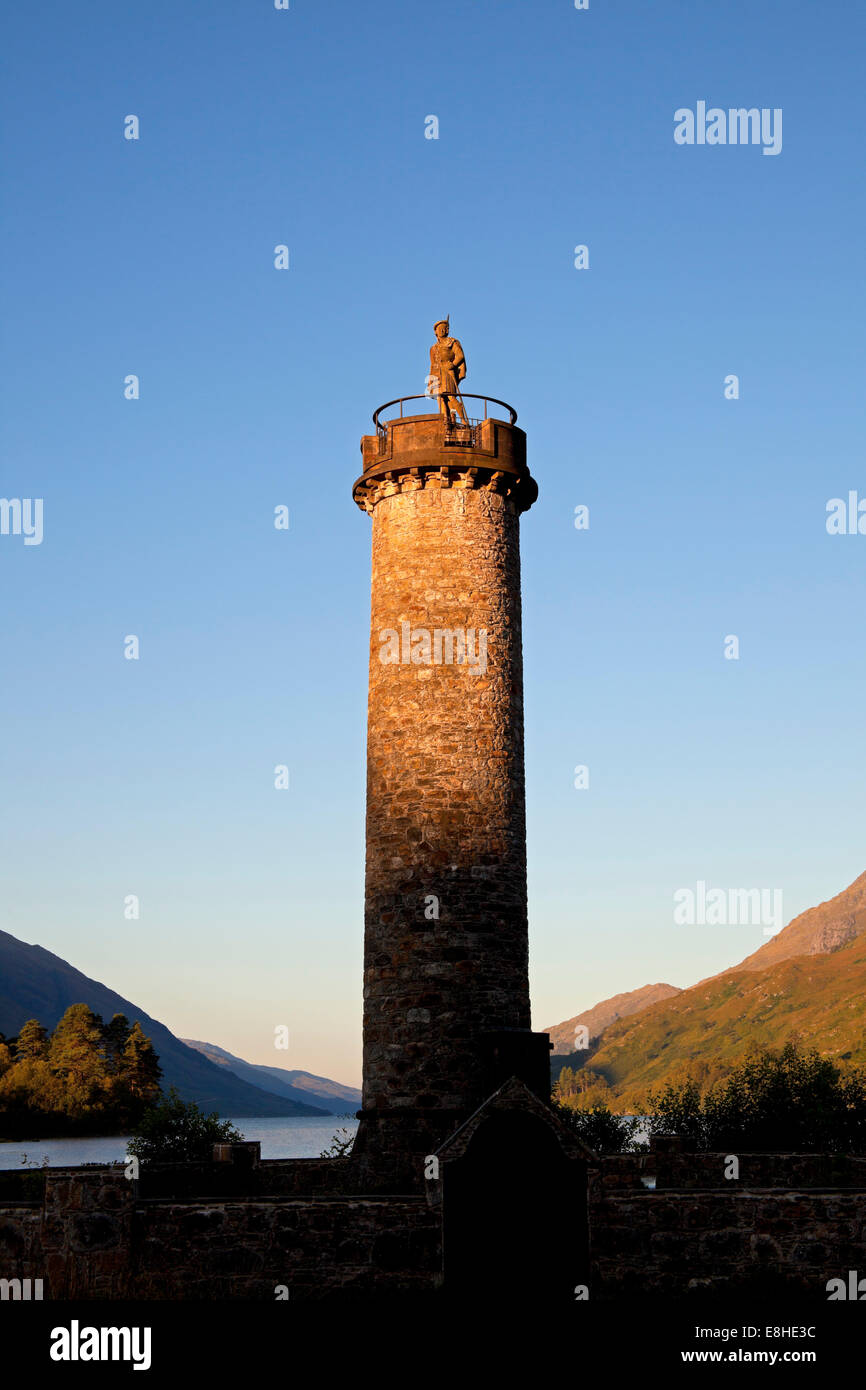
(446, 989)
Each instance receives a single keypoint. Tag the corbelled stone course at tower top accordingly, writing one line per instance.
(413, 452)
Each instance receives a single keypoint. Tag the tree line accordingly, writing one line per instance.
(85, 1077)
(791, 1099)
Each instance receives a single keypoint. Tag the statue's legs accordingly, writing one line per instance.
(446, 403)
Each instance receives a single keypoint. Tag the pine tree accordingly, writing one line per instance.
(139, 1068)
(32, 1041)
(77, 1058)
(115, 1035)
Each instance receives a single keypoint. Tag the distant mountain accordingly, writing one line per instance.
(819, 931)
(600, 1016)
(809, 981)
(34, 983)
(297, 1085)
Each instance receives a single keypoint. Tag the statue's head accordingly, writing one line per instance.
(441, 328)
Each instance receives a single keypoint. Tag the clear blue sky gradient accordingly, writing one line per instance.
(155, 257)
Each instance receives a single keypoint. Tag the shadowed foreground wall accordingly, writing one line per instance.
(801, 1222)
(786, 1226)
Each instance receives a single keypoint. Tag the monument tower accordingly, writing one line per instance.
(446, 989)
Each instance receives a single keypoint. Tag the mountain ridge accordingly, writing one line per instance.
(808, 981)
(336, 1098)
(822, 929)
(601, 1015)
(36, 983)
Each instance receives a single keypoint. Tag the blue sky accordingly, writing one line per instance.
(707, 516)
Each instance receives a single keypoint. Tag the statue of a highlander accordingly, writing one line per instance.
(447, 370)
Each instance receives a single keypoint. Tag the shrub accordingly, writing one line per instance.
(341, 1144)
(177, 1131)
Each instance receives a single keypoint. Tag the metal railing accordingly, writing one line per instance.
(381, 425)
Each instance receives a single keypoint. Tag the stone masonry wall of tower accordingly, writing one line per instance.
(445, 801)
(446, 945)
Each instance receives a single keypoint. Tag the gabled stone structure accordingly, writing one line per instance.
(512, 1098)
(510, 1185)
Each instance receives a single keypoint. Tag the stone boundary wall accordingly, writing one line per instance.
(312, 1247)
(94, 1236)
(761, 1244)
(677, 1171)
(786, 1226)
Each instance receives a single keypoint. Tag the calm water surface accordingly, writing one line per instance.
(302, 1136)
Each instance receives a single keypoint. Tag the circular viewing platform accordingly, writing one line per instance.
(464, 396)
(428, 449)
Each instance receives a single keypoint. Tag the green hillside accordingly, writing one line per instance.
(706, 1029)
